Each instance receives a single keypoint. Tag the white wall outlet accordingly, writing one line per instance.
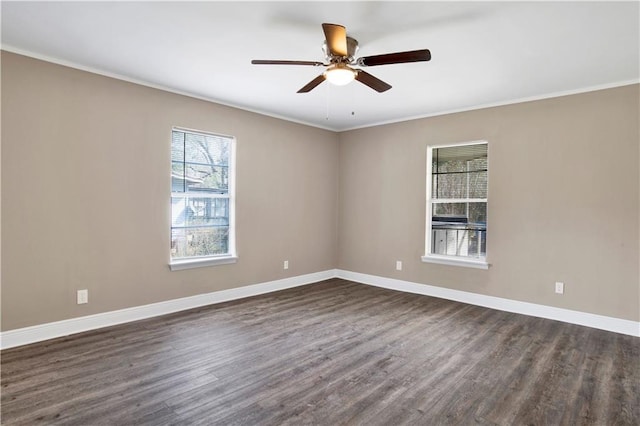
(398, 265)
(559, 287)
(83, 297)
(286, 264)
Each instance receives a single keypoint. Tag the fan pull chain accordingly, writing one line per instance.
(326, 114)
(353, 101)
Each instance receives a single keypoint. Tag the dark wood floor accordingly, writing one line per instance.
(330, 353)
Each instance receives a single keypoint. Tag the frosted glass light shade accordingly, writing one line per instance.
(340, 75)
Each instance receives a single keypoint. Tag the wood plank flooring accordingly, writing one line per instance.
(329, 353)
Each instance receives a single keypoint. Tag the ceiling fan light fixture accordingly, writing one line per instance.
(340, 74)
(340, 51)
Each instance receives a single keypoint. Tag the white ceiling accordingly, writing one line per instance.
(483, 53)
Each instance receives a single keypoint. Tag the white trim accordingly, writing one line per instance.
(37, 333)
(462, 143)
(617, 325)
(455, 261)
(179, 265)
(505, 102)
(231, 190)
(70, 64)
(139, 82)
(428, 206)
(197, 132)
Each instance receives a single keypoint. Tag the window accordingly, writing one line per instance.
(202, 199)
(457, 204)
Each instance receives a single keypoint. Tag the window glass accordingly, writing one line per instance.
(457, 201)
(201, 197)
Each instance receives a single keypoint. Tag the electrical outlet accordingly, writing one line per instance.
(559, 287)
(286, 264)
(398, 265)
(83, 297)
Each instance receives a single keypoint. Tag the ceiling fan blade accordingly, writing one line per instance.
(374, 82)
(278, 62)
(312, 84)
(396, 58)
(336, 36)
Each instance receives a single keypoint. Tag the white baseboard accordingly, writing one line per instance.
(37, 333)
(616, 325)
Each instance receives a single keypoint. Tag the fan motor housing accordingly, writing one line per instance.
(352, 50)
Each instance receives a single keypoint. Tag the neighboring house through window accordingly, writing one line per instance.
(456, 223)
(202, 199)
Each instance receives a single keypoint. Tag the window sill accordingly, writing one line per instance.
(453, 261)
(179, 265)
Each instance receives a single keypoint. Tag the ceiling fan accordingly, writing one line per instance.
(340, 51)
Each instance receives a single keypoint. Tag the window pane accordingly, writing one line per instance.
(460, 185)
(459, 172)
(177, 177)
(189, 242)
(220, 209)
(178, 211)
(205, 149)
(459, 229)
(198, 211)
(450, 185)
(459, 242)
(177, 146)
(458, 158)
(206, 178)
(477, 184)
(460, 212)
(199, 162)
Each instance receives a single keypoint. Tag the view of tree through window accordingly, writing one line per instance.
(199, 194)
(458, 200)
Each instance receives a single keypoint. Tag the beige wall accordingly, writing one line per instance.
(563, 201)
(85, 184)
(85, 194)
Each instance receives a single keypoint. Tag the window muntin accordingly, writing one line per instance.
(457, 186)
(201, 195)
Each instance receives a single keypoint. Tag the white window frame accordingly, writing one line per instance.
(430, 257)
(222, 259)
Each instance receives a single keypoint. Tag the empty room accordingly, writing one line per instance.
(320, 213)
